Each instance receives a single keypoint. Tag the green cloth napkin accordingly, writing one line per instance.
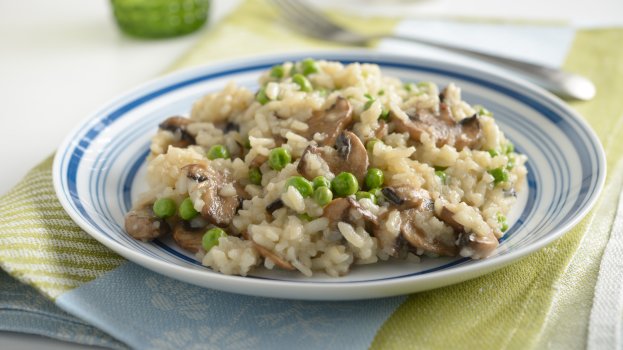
(542, 300)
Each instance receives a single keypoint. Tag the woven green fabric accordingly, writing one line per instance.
(39, 243)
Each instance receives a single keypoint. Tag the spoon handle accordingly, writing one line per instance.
(564, 84)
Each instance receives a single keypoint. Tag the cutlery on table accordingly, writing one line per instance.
(314, 23)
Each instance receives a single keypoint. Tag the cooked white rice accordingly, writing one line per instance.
(298, 235)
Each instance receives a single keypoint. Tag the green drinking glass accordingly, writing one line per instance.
(160, 18)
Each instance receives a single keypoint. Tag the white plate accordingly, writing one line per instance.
(100, 168)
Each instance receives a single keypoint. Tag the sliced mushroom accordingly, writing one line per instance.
(442, 128)
(178, 126)
(470, 133)
(274, 205)
(269, 254)
(279, 140)
(258, 161)
(447, 216)
(381, 131)
(217, 209)
(330, 122)
(390, 242)
(416, 236)
(312, 163)
(336, 211)
(349, 155)
(187, 237)
(408, 197)
(272, 256)
(415, 206)
(231, 126)
(442, 94)
(471, 244)
(339, 210)
(143, 224)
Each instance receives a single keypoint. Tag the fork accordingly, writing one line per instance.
(314, 23)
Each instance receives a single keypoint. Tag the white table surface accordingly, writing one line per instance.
(60, 60)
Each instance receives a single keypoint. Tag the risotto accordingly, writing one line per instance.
(327, 166)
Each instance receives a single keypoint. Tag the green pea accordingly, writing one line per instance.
(364, 194)
(384, 114)
(277, 71)
(370, 144)
(305, 217)
(164, 207)
(374, 178)
(301, 184)
(381, 92)
(320, 181)
(499, 175)
(218, 151)
(211, 237)
(187, 210)
(511, 162)
(278, 158)
(255, 176)
(482, 110)
(410, 87)
(440, 168)
(510, 148)
(493, 152)
(378, 194)
(309, 66)
(442, 176)
(424, 85)
(323, 196)
(502, 221)
(302, 82)
(261, 96)
(344, 184)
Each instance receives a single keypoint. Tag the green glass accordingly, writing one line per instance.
(160, 18)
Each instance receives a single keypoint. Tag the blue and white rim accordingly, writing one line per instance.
(567, 199)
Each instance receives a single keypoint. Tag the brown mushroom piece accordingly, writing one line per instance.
(416, 236)
(258, 161)
(352, 156)
(178, 126)
(141, 223)
(477, 246)
(442, 128)
(391, 243)
(330, 122)
(381, 131)
(339, 210)
(217, 209)
(272, 256)
(414, 205)
(349, 155)
(187, 237)
(269, 254)
(408, 197)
